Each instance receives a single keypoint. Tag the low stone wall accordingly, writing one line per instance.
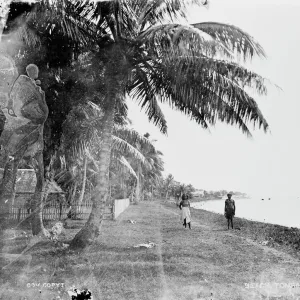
(120, 205)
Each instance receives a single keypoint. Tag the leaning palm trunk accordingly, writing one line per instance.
(137, 189)
(81, 195)
(47, 190)
(132, 193)
(37, 200)
(72, 201)
(91, 230)
(123, 185)
(138, 184)
(167, 194)
(80, 200)
(8, 186)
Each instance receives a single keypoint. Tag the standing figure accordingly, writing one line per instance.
(184, 205)
(177, 199)
(22, 137)
(229, 209)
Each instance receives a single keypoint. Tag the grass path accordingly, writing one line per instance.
(237, 260)
(207, 262)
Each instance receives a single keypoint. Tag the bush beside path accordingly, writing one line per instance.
(207, 262)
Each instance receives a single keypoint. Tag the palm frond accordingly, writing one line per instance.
(71, 18)
(28, 35)
(208, 90)
(80, 130)
(127, 165)
(133, 137)
(159, 153)
(233, 38)
(140, 89)
(157, 11)
(124, 147)
(181, 38)
(114, 18)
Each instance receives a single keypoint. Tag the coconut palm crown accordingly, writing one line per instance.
(145, 54)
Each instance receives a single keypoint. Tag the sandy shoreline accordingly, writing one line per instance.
(197, 200)
(280, 237)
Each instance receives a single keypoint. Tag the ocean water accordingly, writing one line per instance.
(282, 211)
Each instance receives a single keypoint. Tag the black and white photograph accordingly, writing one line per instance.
(149, 150)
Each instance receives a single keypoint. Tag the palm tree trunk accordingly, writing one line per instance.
(91, 230)
(152, 189)
(72, 201)
(137, 189)
(6, 188)
(73, 193)
(138, 185)
(14, 190)
(124, 188)
(109, 196)
(83, 182)
(132, 192)
(8, 184)
(109, 186)
(142, 190)
(37, 203)
(82, 191)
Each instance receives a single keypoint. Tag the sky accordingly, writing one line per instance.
(224, 158)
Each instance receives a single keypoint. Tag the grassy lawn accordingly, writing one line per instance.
(207, 262)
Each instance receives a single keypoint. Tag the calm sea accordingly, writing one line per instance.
(284, 211)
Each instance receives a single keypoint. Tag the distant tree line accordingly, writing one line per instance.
(170, 188)
(215, 195)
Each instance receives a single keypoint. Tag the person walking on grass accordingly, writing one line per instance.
(184, 205)
(229, 209)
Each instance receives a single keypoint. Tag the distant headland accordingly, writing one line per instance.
(202, 195)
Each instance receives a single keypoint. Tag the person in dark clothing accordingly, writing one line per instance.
(229, 210)
(184, 205)
(177, 198)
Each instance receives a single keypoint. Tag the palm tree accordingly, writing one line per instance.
(81, 142)
(145, 54)
(146, 170)
(136, 166)
(168, 182)
(152, 171)
(153, 176)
